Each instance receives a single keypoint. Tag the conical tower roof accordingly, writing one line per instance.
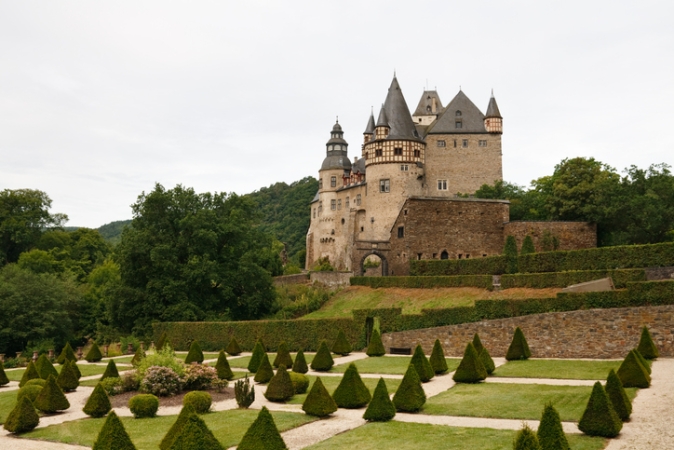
(398, 114)
(492, 109)
(369, 129)
(382, 121)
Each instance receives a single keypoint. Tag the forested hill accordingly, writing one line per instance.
(112, 232)
(285, 212)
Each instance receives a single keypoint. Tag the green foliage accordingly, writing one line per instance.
(491, 265)
(471, 369)
(376, 346)
(244, 393)
(165, 357)
(425, 282)
(195, 354)
(323, 265)
(200, 401)
(300, 382)
(519, 349)
(351, 392)
(23, 417)
(381, 408)
(487, 362)
(599, 418)
(112, 232)
(222, 366)
(138, 356)
(113, 436)
(66, 353)
(550, 433)
(300, 364)
(29, 374)
(632, 373)
(642, 360)
(265, 372)
(510, 253)
(341, 345)
(162, 341)
(143, 405)
(322, 361)
(477, 343)
(527, 246)
(185, 413)
(51, 398)
(437, 359)
(646, 346)
(319, 403)
(45, 367)
(280, 387)
(256, 358)
(421, 364)
(262, 434)
(619, 399)
(195, 435)
(3, 376)
(112, 386)
(98, 404)
(620, 278)
(94, 354)
(526, 439)
(410, 396)
(36, 382)
(110, 370)
(68, 379)
(283, 356)
(297, 300)
(30, 391)
(233, 347)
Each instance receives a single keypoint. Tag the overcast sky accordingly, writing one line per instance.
(100, 100)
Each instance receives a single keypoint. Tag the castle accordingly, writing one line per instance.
(405, 196)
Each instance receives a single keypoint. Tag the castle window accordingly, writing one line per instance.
(417, 153)
(362, 229)
(346, 203)
(339, 204)
(320, 183)
(460, 255)
(404, 167)
(458, 124)
(358, 200)
(398, 151)
(442, 144)
(464, 143)
(444, 255)
(333, 181)
(314, 213)
(418, 256)
(342, 221)
(458, 113)
(405, 212)
(401, 232)
(384, 185)
(442, 185)
(366, 154)
(435, 255)
(454, 143)
(428, 108)
(333, 204)
(467, 255)
(483, 143)
(378, 152)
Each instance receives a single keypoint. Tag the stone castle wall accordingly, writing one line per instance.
(571, 235)
(594, 333)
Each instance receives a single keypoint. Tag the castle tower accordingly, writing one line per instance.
(336, 164)
(493, 121)
(368, 134)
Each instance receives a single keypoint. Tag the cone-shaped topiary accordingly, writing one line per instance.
(22, 418)
(265, 372)
(619, 399)
(110, 371)
(487, 362)
(98, 403)
(3, 376)
(300, 382)
(381, 408)
(300, 364)
(280, 387)
(477, 343)
(29, 374)
(94, 354)
(642, 360)
(66, 353)
(76, 369)
(471, 369)
(319, 403)
(527, 246)
(233, 347)
(171, 434)
(420, 362)
(162, 342)
(341, 345)
(599, 418)
(113, 436)
(323, 361)
(376, 346)
(45, 367)
(137, 357)
(510, 252)
(195, 435)
(526, 439)
(256, 357)
(36, 382)
(550, 432)
(351, 392)
(410, 396)
(283, 356)
(632, 373)
(262, 434)
(51, 398)
(195, 354)
(67, 379)
(519, 349)
(646, 345)
(437, 360)
(222, 366)
(29, 391)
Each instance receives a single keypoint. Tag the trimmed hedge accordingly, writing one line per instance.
(300, 364)
(422, 365)
(171, 434)
(619, 399)
(599, 418)
(646, 346)
(283, 356)
(280, 387)
(30, 373)
(550, 432)
(144, 405)
(195, 435)
(319, 403)
(491, 265)
(222, 366)
(341, 346)
(437, 359)
(98, 404)
(67, 379)
(94, 354)
(29, 391)
(376, 346)
(351, 393)
(264, 372)
(22, 418)
(322, 361)
(381, 408)
(195, 354)
(425, 282)
(110, 370)
(113, 436)
(620, 278)
(45, 367)
(51, 398)
(410, 396)
(3, 376)
(262, 434)
(471, 369)
(233, 347)
(300, 382)
(200, 401)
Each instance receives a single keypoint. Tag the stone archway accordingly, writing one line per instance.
(380, 255)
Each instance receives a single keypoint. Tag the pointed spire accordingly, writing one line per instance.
(382, 121)
(369, 129)
(492, 109)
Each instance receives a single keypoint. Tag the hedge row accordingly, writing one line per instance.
(491, 265)
(620, 278)
(481, 281)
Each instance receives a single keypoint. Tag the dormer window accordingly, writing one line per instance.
(458, 113)
(458, 124)
(428, 108)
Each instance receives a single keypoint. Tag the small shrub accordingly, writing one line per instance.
(161, 381)
(130, 382)
(527, 246)
(112, 386)
(170, 436)
(319, 403)
(599, 418)
(98, 403)
(256, 357)
(487, 362)
(410, 396)
(51, 398)
(341, 345)
(22, 418)
(144, 405)
(113, 436)
(138, 357)
(300, 382)
(526, 439)
(437, 360)
(110, 370)
(322, 361)
(199, 377)
(646, 346)
(195, 354)
(94, 354)
(262, 434)
(510, 253)
(200, 401)
(222, 367)
(519, 349)
(45, 367)
(381, 408)
(165, 357)
(3, 376)
(351, 392)
(619, 399)
(421, 364)
(244, 393)
(471, 369)
(283, 356)
(66, 353)
(300, 364)
(632, 373)
(67, 379)
(233, 347)
(280, 386)
(195, 435)
(36, 382)
(162, 342)
(29, 374)
(550, 432)
(264, 372)
(376, 346)
(30, 391)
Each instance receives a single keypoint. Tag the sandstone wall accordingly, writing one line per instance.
(571, 235)
(299, 278)
(332, 278)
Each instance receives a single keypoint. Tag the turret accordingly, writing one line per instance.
(336, 165)
(493, 121)
(382, 128)
(368, 134)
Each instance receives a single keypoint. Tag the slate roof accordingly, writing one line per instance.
(398, 114)
(492, 109)
(359, 166)
(425, 106)
(370, 125)
(382, 121)
(472, 119)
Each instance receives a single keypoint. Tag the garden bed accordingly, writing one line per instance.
(122, 400)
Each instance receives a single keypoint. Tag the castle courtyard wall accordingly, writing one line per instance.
(570, 235)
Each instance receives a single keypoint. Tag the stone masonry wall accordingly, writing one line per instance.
(571, 235)
(594, 333)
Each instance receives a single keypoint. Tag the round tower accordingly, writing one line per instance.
(336, 165)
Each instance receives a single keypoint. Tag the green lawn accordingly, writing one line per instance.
(85, 369)
(7, 403)
(554, 368)
(388, 365)
(511, 401)
(242, 362)
(413, 436)
(125, 359)
(227, 426)
(332, 382)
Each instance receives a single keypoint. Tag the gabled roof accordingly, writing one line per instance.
(398, 114)
(471, 118)
(425, 106)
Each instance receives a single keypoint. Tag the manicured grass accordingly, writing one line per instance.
(388, 365)
(242, 362)
(125, 359)
(7, 403)
(85, 369)
(331, 383)
(560, 369)
(511, 401)
(413, 436)
(207, 355)
(227, 426)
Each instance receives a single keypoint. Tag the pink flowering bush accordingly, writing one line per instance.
(198, 377)
(161, 381)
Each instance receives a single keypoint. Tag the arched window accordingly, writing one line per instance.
(458, 113)
(444, 255)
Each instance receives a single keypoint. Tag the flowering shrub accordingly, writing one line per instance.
(198, 377)
(163, 358)
(161, 381)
